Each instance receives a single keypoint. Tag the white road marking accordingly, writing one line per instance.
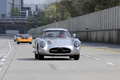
(9, 47)
(109, 63)
(96, 59)
(1, 64)
(3, 59)
(86, 56)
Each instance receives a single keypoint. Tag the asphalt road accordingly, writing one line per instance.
(97, 62)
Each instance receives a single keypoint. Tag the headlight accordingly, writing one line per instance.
(76, 44)
(42, 44)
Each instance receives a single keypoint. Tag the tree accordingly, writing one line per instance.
(89, 6)
(84, 6)
(61, 12)
(12, 10)
(68, 5)
(57, 12)
(17, 11)
(104, 4)
(50, 11)
(33, 22)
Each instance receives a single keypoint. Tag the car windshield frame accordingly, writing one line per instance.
(55, 34)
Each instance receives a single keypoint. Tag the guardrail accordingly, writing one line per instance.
(13, 21)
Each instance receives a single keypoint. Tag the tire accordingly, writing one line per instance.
(18, 43)
(30, 42)
(40, 57)
(14, 40)
(76, 57)
(36, 56)
(71, 56)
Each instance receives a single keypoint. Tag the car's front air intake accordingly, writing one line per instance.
(60, 50)
(24, 37)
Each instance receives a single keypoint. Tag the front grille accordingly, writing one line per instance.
(60, 50)
(24, 37)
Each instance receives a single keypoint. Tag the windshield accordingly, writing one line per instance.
(24, 36)
(56, 34)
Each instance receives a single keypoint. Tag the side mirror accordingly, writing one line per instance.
(74, 35)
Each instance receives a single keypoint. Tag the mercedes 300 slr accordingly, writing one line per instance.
(57, 42)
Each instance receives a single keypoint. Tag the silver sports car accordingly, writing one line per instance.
(57, 42)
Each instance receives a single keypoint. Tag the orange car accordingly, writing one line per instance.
(24, 38)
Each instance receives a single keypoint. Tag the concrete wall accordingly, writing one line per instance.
(13, 32)
(102, 26)
(108, 36)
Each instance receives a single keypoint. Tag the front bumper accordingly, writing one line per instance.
(24, 40)
(46, 52)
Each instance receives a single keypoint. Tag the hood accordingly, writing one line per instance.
(59, 42)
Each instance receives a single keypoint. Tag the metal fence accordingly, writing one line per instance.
(99, 26)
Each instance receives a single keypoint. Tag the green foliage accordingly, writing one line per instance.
(104, 4)
(57, 12)
(33, 22)
(14, 11)
(67, 4)
(17, 11)
(50, 11)
(30, 22)
(88, 6)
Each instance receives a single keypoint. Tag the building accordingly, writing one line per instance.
(25, 11)
(7, 10)
(13, 15)
(6, 7)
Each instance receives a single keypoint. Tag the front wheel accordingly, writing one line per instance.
(71, 56)
(18, 43)
(76, 57)
(40, 57)
(30, 42)
(36, 56)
